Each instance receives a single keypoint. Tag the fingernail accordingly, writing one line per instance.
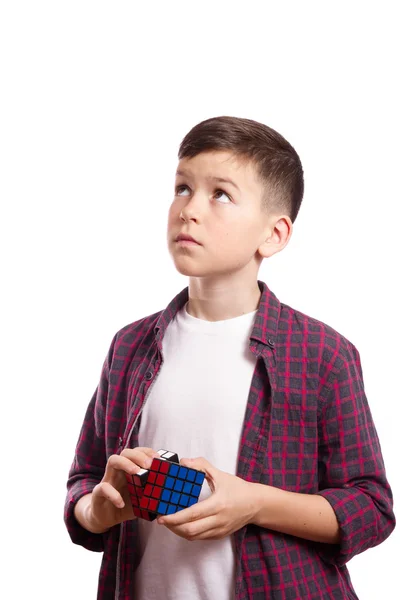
(161, 521)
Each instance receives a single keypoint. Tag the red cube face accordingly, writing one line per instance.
(137, 481)
(148, 489)
(152, 477)
(156, 491)
(156, 464)
(164, 468)
(160, 480)
(131, 488)
(153, 504)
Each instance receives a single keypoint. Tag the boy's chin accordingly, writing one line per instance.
(191, 271)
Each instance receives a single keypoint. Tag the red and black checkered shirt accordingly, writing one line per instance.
(307, 428)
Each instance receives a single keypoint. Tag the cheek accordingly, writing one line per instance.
(173, 212)
(227, 245)
(172, 217)
(235, 245)
(233, 236)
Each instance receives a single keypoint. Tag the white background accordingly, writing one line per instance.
(95, 99)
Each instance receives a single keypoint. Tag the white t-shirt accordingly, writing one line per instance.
(195, 408)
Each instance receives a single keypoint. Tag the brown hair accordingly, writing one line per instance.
(275, 160)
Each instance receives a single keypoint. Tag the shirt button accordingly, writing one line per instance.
(271, 342)
(149, 375)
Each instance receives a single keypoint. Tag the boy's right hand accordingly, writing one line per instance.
(110, 502)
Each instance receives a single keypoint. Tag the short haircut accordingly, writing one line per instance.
(276, 162)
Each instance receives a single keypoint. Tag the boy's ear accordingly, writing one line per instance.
(278, 235)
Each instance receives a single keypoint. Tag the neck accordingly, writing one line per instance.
(221, 300)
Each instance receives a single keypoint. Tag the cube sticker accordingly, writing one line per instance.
(165, 488)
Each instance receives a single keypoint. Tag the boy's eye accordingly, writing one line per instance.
(225, 194)
(180, 187)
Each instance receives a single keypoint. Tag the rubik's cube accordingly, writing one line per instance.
(165, 488)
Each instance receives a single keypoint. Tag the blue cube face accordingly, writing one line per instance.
(162, 508)
(182, 472)
(187, 488)
(171, 509)
(196, 491)
(178, 485)
(174, 470)
(200, 478)
(175, 498)
(192, 500)
(191, 476)
(184, 500)
(169, 483)
(166, 495)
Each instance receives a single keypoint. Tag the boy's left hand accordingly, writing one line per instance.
(231, 506)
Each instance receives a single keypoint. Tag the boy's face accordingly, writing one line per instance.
(227, 221)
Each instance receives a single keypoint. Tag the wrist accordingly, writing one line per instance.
(84, 516)
(93, 525)
(266, 501)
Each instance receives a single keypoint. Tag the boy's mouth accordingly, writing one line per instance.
(183, 237)
(187, 243)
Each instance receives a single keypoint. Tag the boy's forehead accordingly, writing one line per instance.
(215, 162)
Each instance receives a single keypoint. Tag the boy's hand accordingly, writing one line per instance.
(231, 506)
(110, 503)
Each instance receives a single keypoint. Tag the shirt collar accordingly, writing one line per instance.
(265, 324)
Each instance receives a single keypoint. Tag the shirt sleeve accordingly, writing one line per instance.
(89, 462)
(351, 468)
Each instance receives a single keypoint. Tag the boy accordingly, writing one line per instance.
(271, 398)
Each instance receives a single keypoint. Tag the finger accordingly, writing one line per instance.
(201, 464)
(106, 490)
(121, 463)
(200, 510)
(195, 530)
(141, 456)
(210, 534)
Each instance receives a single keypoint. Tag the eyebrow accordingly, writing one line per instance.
(220, 179)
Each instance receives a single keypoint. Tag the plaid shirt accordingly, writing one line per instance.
(307, 428)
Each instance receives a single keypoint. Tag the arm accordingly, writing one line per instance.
(351, 468)
(89, 462)
(308, 516)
